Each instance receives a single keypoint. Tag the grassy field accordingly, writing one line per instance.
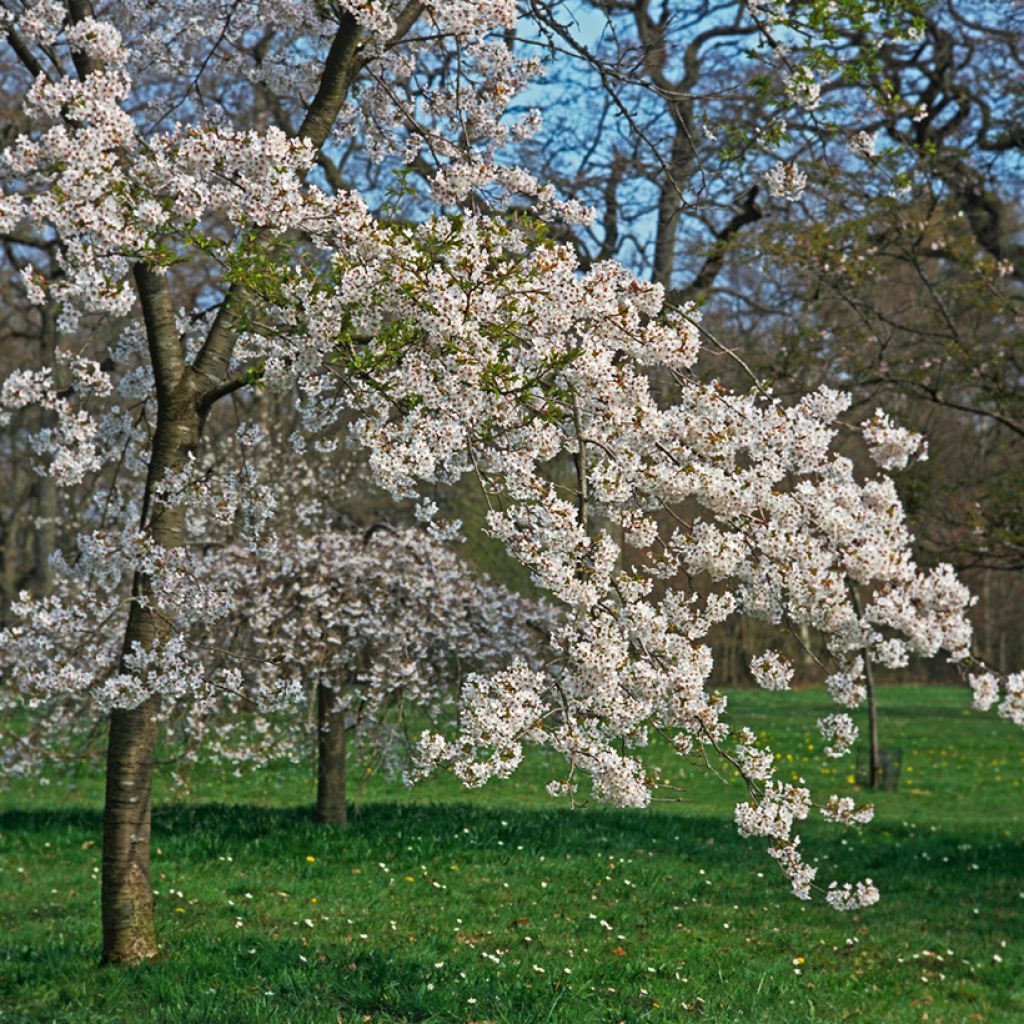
(503, 906)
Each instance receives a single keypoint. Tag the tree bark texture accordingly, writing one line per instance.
(331, 806)
(129, 925)
(129, 928)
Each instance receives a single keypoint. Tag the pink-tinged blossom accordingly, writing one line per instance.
(786, 181)
(766, 10)
(852, 897)
(40, 22)
(843, 811)
(473, 17)
(986, 690)
(1012, 706)
(803, 88)
(756, 762)
(97, 40)
(845, 687)
(863, 144)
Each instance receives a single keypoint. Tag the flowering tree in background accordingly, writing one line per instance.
(333, 634)
(367, 628)
(459, 340)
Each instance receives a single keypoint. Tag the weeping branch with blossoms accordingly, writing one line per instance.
(473, 347)
(468, 344)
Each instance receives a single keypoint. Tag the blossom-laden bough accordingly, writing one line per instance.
(464, 342)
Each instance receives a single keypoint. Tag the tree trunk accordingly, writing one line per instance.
(184, 395)
(875, 774)
(45, 536)
(129, 926)
(806, 650)
(331, 808)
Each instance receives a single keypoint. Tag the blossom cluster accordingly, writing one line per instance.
(771, 672)
(891, 446)
(70, 443)
(250, 632)
(324, 608)
(803, 88)
(786, 181)
(1008, 692)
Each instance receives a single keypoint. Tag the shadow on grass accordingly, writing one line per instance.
(265, 975)
(560, 830)
(282, 979)
(210, 830)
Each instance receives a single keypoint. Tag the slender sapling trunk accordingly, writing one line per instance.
(331, 806)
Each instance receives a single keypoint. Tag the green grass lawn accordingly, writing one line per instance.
(503, 905)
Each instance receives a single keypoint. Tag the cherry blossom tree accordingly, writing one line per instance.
(328, 635)
(460, 341)
(368, 629)
(905, 296)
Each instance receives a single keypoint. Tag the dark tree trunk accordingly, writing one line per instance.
(45, 539)
(331, 807)
(129, 928)
(875, 774)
